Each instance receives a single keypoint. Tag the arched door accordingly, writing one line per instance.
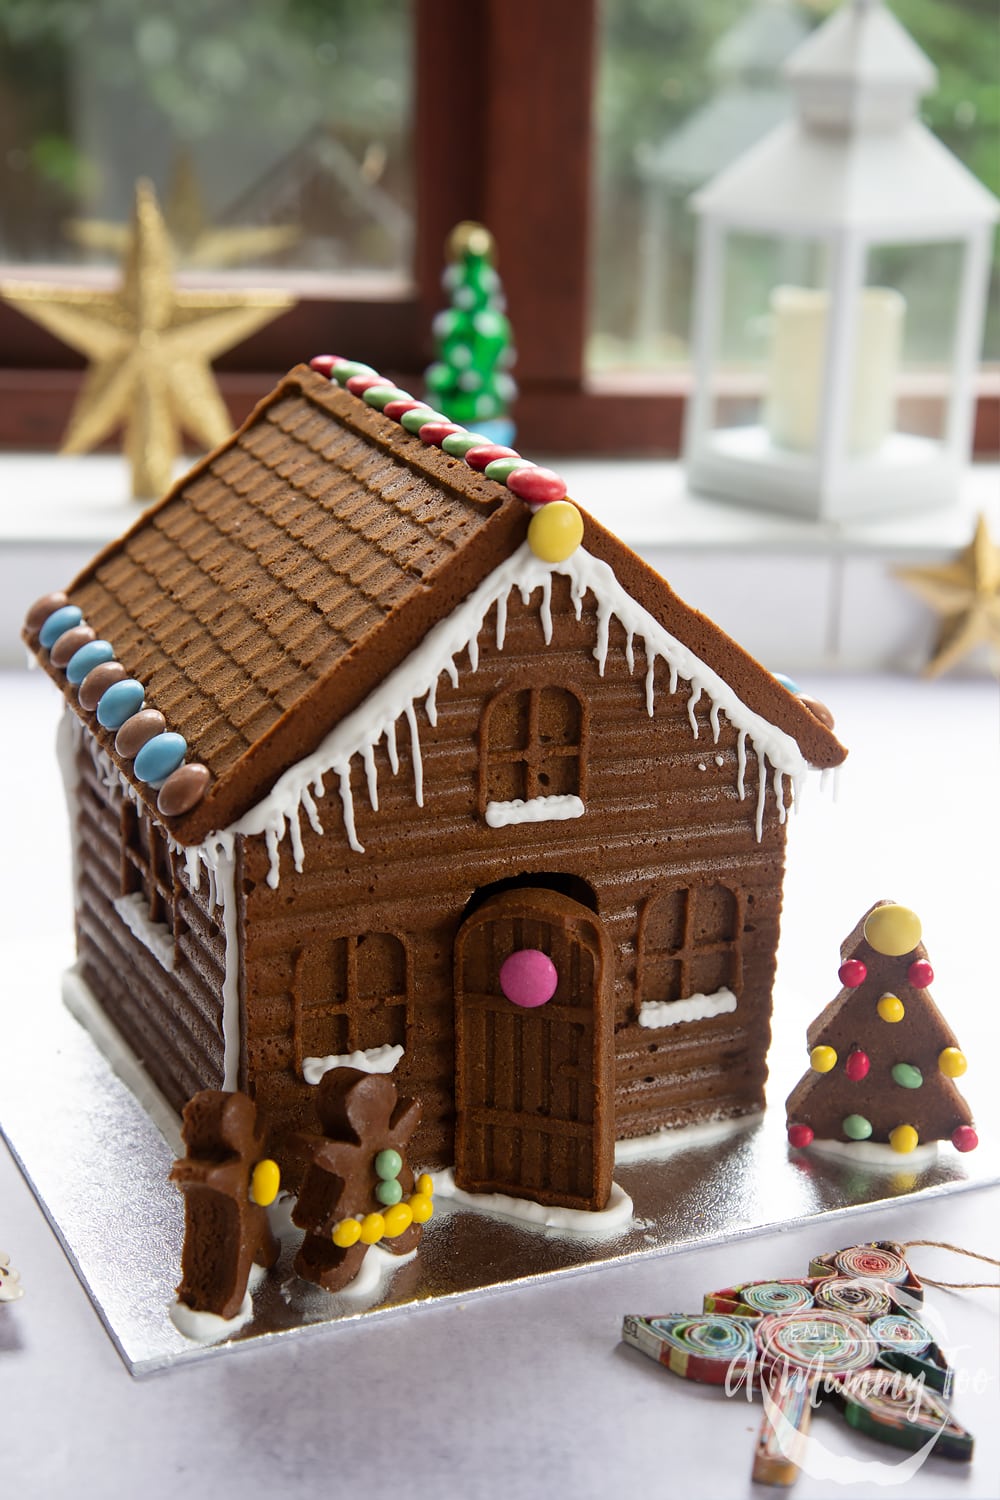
(534, 1026)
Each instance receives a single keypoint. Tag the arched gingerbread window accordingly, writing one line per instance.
(351, 995)
(148, 901)
(533, 750)
(689, 943)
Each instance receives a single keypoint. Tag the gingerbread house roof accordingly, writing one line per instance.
(281, 581)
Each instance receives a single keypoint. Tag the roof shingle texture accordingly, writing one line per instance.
(281, 562)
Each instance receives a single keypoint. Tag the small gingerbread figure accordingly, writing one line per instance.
(357, 1190)
(227, 1182)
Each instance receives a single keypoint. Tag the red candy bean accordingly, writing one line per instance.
(478, 458)
(436, 432)
(537, 486)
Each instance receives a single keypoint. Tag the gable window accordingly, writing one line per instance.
(147, 904)
(689, 956)
(533, 744)
(351, 996)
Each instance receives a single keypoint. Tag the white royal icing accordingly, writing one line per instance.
(374, 1060)
(616, 1215)
(415, 680)
(155, 936)
(209, 1328)
(534, 810)
(656, 1013)
(878, 1154)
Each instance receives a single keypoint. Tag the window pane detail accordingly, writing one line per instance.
(683, 89)
(277, 134)
(534, 745)
(351, 996)
(689, 943)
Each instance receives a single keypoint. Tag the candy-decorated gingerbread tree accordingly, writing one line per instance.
(882, 1058)
(469, 381)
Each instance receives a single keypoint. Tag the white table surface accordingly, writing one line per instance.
(529, 1393)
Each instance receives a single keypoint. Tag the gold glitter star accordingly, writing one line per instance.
(966, 594)
(196, 242)
(150, 345)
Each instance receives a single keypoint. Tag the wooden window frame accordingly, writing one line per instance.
(355, 1008)
(690, 950)
(503, 114)
(534, 754)
(153, 874)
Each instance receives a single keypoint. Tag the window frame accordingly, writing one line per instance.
(357, 1008)
(480, 115)
(534, 754)
(690, 950)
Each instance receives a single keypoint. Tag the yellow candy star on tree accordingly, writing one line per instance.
(150, 345)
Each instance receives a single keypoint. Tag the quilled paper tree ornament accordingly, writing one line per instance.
(882, 1058)
(469, 380)
(847, 1333)
(357, 1189)
(228, 1183)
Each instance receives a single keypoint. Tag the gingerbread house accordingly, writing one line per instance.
(340, 744)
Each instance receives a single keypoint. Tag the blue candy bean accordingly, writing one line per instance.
(159, 756)
(89, 656)
(119, 702)
(62, 619)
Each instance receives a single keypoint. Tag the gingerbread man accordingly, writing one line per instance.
(357, 1190)
(227, 1182)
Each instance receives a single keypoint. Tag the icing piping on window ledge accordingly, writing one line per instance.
(534, 810)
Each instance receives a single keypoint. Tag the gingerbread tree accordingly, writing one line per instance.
(882, 1059)
(469, 380)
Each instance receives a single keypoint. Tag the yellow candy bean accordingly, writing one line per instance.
(555, 531)
(891, 1008)
(347, 1233)
(425, 1184)
(372, 1229)
(952, 1062)
(422, 1207)
(893, 930)
(265, 1182)
(398, 1219)
(903, 1139)
(823, 1059)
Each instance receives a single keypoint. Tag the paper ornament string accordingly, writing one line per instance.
(963, 1286)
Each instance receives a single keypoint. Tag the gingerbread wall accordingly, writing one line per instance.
(355, 951)
(172, 1021)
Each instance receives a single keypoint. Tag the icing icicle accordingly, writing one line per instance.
(415, 681)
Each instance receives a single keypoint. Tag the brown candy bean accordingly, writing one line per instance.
(98, 681)
(817, 709)
(69, 643)
(137, 730)
(183, 789)
(42, 608)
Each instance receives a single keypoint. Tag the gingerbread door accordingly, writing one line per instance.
(534, 1026)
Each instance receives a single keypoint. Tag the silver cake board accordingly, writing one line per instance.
(98, 1166)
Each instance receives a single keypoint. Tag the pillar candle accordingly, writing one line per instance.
(798, 351)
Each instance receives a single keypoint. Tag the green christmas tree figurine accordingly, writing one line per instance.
(882, 1058)
(469, 381)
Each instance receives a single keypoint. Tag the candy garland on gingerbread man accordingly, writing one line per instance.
(882, 1059)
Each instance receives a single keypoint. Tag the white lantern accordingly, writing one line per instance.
(843, 264)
